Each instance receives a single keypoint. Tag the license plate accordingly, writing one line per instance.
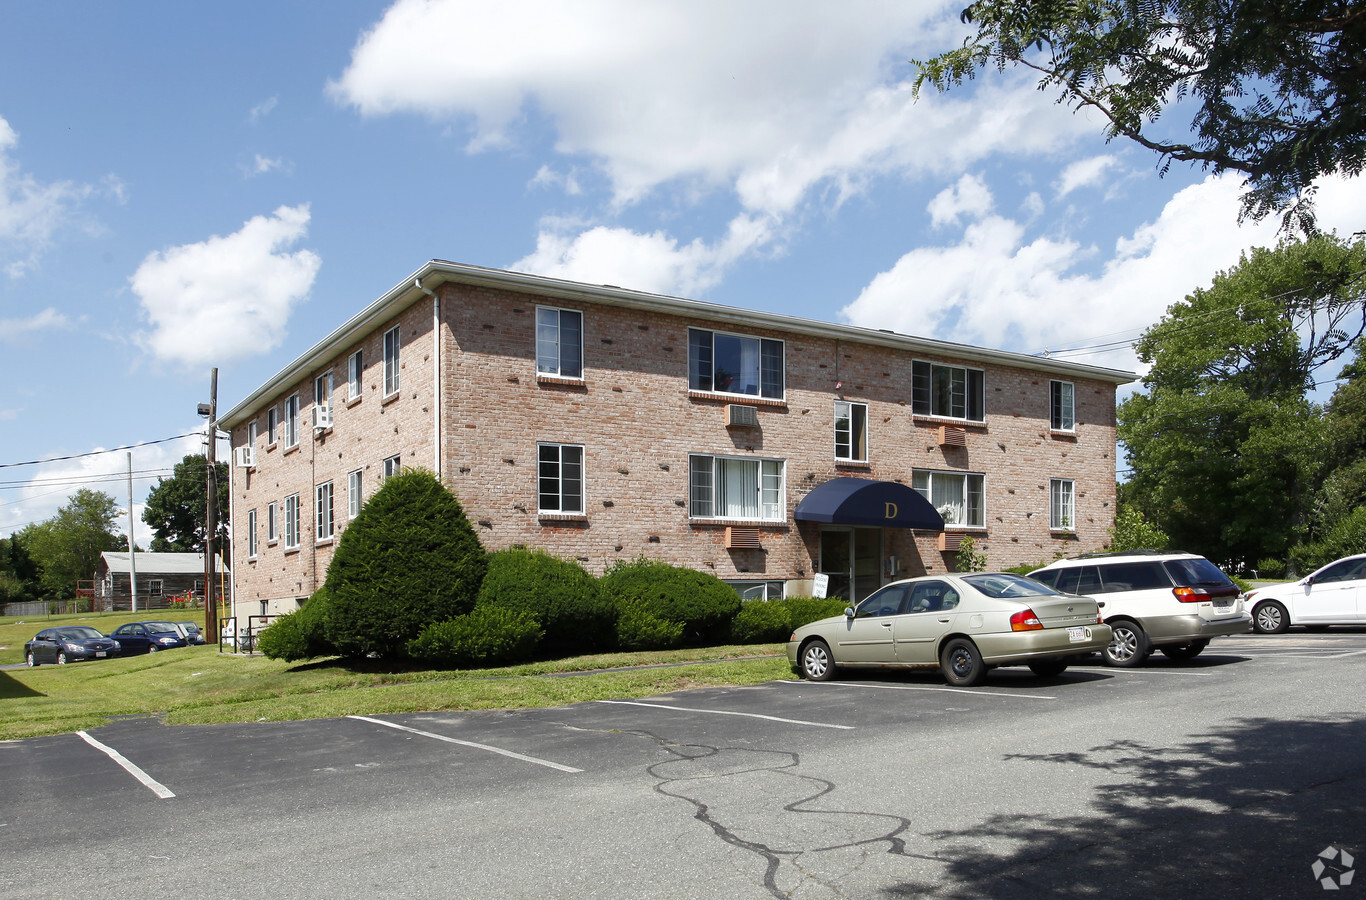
(1076, 635)
(100, 653)
(1223, 604)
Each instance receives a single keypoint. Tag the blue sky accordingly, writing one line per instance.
(184, 186)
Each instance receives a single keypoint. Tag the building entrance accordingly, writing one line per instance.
(852, 559)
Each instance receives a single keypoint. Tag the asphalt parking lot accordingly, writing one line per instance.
(1226, 776)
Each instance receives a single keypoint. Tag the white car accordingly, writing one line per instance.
(1172, 602)
(1334, 595)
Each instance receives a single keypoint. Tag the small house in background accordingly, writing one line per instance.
(164, 580)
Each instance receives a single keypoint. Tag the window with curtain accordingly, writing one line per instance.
(723, 487)
(957, 497)
(1062, 515)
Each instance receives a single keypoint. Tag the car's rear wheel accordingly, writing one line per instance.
(30, 660)
(1048, 668)
(1184, 651)
(1270, 617)
(817, 664)
(962, 663)
(61, 659)
(1128, 645)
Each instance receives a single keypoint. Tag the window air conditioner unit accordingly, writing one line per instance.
(246, 457)
(322, 417)
(951, 541)
(741, 415)
(952, 436)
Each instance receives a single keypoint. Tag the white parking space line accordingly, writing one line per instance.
(450, 740)
(912, 687)
(151, 784)
(726, 712)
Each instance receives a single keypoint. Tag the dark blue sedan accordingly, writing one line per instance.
(68, 643)
(147, 637)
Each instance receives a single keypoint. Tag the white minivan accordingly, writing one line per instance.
(1172, 602)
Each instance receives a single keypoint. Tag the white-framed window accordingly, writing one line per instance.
(353, 494)
(322, 389)
(322, 497)
(355, 372)
(292, 521)
(955, 496)
(559, 342)
(725, 487)
(272, 423)
(391, 361)
(952, 392)
(734, 364)
(292, 421)
(392, 465)
(251, 435)
(272, 522)
(1062, 504)
(851, 431)
(1062, 412)
(757, 590)
(251, 534)
(559, 478)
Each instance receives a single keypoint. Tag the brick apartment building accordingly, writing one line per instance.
(603, 424)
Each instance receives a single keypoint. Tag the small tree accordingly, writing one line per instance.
(1133, 532)
(970, 559)
(409, 560)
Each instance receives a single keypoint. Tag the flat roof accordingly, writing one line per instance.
(437, 272)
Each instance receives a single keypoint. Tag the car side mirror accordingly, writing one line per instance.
(848, 612)
(1308, 580)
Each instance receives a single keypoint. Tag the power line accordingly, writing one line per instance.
(39, 462)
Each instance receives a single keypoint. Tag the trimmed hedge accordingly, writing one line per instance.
(646, 589)
(301, 634)
(638, 628)
(567, 602)
(485, 637)
(409, 560)
(773, 621)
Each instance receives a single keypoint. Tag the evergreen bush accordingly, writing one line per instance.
(701, 603)
(488, 636)
(299, 635)
(409, 560)
(773, 621)
(566, 601)
(640, 629)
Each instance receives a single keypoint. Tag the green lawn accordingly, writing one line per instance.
(199, 685)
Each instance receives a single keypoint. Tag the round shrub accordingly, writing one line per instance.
(300, 634)
(566, 601)
(701, 603)
(486, 637)
(409, 560)
(640, 629)
(761, 622)
(801, 610)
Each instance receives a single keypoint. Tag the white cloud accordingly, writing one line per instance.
(263, 109)
(995, 289)
(767, 99)
(31, 212)
(227, 297)
(970, 197)
(261, 165)
(1088, 172)
(11, 330)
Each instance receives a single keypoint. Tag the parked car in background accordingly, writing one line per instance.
(1333, 595)
(194, 634)
(68, 643)
(147, 637)
(1172, 602)
(961, 624)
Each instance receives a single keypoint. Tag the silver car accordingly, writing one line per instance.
(961, 624)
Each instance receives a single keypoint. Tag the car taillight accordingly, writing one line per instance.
(1190, 595)
(1025, 620)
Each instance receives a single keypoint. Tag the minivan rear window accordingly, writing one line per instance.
(1196, 572)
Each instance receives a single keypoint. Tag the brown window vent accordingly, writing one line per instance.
(742, 416)
(741, 538)
(951, 541)
(952, 436)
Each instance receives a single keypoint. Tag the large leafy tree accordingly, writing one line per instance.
(1274, 88)
(1226, 450)
(1337, 519)
(177, 507)
(18, 572)
(67, 546)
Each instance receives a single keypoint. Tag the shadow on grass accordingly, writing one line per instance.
(10, 689)
(1238, 811)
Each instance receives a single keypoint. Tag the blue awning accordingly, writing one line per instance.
(863, 501)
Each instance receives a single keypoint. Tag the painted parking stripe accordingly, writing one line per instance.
(913, 687)
(726, 712)
(450, 740)
(151, 784)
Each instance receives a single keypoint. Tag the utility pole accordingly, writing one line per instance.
(211, 533)
(132, 563)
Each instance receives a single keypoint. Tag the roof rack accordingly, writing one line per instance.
(1124, 553)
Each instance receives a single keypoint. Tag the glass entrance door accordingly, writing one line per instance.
(852, 559)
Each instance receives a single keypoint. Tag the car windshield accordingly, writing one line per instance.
(78, 634)
(1004, 584)
(188, 626)
(161, 626)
